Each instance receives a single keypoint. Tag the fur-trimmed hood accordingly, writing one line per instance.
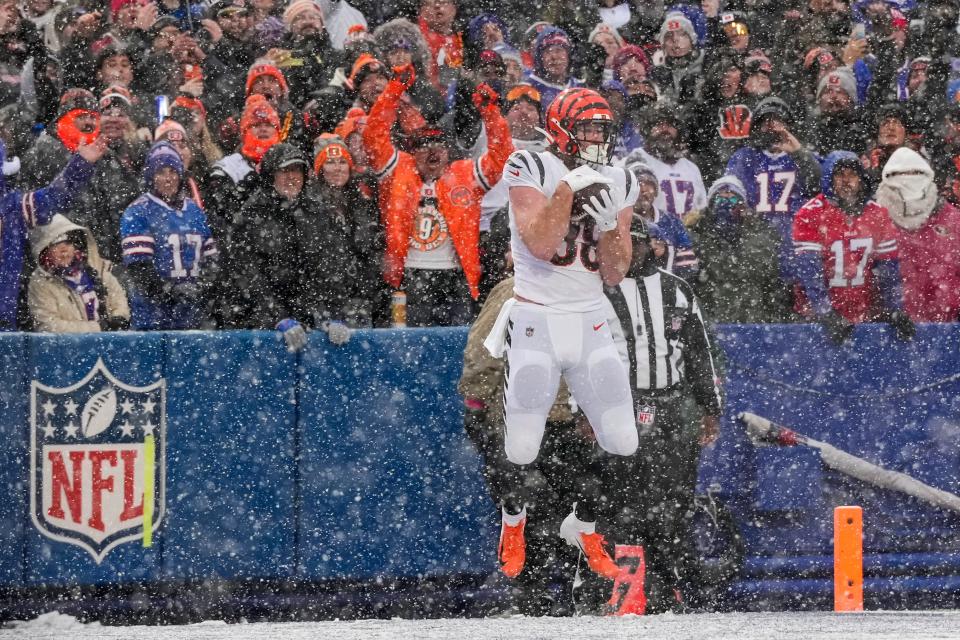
(400, 28)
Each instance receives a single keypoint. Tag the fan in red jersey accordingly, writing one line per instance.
(846, 250)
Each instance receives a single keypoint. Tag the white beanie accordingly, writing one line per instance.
(841, 78)
(603, 27)
(676, 21)
(730, 183)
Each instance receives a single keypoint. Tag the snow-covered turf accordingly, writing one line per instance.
(899, 625)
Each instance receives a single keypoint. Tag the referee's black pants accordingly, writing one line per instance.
(649, 501)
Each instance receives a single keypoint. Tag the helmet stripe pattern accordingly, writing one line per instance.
(570, 107)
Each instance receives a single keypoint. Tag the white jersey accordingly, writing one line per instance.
(681, 184)
(498, 197)
(570, 281)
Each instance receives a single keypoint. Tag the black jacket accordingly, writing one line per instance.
(340, 243)
(264, 264)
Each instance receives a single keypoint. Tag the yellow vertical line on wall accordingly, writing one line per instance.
(149, 470)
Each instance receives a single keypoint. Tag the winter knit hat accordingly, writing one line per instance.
(626, 53)
(327, 146)
(269, 33)
(613, 85)
(364, 66)
(77, 99)
(169, 126)
(194, 104)
(676, 21)
(729, 183)
(475, 26)
(523, 91)
(161, 154)
(842, 79)
(298, 7)
(356, 33)
(549, 37)
(261, 68)
(643, 171)
(508, 53)
(116, 5)
(603, 27)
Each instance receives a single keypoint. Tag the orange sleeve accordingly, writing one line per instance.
(376, 135)
(499, 147)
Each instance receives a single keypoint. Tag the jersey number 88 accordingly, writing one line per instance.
(581, 239)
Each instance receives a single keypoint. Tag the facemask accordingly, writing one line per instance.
(594, 153)
(70, 135)
(728, 214)
(910, 199)
(254, 148)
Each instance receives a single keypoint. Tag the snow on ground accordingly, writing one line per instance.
(874, 625)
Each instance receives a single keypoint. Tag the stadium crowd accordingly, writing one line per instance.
(333, 165)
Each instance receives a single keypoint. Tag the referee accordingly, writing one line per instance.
(660, 332)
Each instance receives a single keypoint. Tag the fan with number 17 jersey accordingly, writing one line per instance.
(775, 190)
(177, 242)
(851, 248)
(681, 183)
(570, 281)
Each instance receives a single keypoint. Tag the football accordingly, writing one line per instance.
(98, 412)
(583, 196)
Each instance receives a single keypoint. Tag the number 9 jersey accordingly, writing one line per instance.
(570, 281)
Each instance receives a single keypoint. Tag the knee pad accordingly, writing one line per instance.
(618, 435)
(531, 385)
(610, 380)
(520, 450)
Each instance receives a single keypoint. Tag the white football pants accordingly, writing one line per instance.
(542, 345)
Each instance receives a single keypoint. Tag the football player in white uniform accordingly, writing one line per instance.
(570, 234)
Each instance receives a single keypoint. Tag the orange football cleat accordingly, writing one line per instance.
(513, 548)
(583, 535)
(594, 547)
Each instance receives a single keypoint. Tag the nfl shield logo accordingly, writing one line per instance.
(97, 461)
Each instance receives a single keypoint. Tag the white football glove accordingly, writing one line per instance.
(584, 176)
(603, 210)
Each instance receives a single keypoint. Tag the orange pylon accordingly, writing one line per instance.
(848, 559)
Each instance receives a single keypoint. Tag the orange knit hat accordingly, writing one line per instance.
(327, 146)
(266, 69)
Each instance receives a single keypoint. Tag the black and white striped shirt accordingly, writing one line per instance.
(660, 333)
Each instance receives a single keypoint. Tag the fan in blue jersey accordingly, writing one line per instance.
(779, 175)
(167, 247)
(21, 211)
